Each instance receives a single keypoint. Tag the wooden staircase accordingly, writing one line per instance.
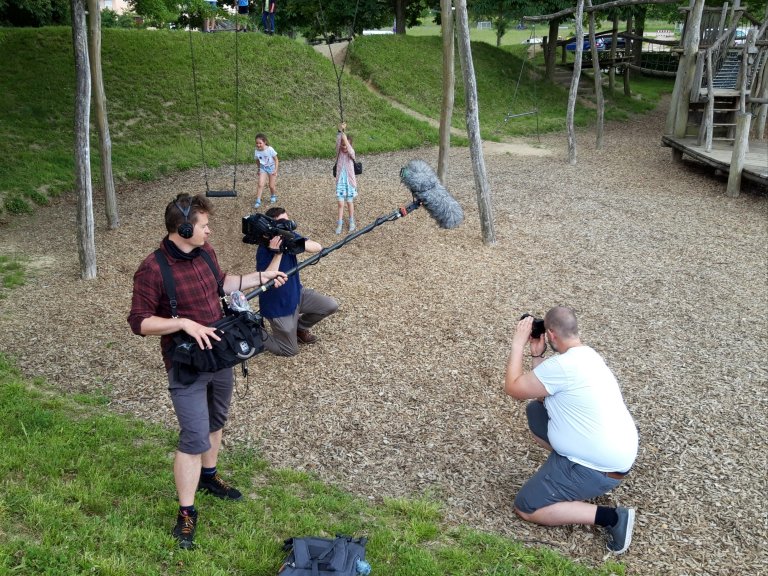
(725, 86)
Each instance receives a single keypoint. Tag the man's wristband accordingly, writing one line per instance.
(542, 352)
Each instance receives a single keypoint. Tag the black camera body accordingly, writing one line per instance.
(260, 229)
(538, 326)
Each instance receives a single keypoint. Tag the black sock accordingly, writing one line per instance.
(187, 510)
(209, 472)
(606, 516)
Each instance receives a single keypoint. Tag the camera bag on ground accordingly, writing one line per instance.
(240, 332)
(310, 556)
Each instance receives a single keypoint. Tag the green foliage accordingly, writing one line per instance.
(157, 12)
(111, 19)
(83, 491)
(34, 12)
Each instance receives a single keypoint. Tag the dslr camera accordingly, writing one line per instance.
(538, 326)
(260, 229)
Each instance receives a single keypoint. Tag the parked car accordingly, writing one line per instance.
(621, 43)
(740, 37)
(531, 41)
(599, 42)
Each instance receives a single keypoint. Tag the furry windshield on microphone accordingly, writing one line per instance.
(422, 181)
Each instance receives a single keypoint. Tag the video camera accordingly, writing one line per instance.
(538, 326)
(260, 229)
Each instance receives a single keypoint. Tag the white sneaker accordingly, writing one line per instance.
(339, 226)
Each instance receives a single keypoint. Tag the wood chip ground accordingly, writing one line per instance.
(402, 394)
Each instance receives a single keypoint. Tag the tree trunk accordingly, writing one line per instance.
(473, 125)
(446, 112)
(628, 48)
(598, 80)
(400, 16)
(638, 30)
(551, 54)
(100, 105)
(85, 229)
(574, 92)
(614, 41)
(677, 117)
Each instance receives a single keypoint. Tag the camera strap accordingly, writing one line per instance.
(169, 284)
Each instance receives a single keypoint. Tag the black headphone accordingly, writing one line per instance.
(185, 229)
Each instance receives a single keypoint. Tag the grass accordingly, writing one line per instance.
(12, 274)
(285, 89)
(83, 491)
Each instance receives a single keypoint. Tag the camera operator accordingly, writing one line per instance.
(576, 411)
(202, 406)
(291, 309)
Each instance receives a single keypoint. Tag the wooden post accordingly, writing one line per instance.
(681, 93)
(446, 111)
(482, 190)
(709, 118)
(100, 107)
(598, 77)
(740, 148)
(574, 91)
(687, 68)
(86, 244)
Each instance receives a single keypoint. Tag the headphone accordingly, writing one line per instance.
(185, 229)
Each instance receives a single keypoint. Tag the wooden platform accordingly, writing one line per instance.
(756, 161)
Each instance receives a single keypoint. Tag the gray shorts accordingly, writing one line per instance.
(558, 479)
(201, 408)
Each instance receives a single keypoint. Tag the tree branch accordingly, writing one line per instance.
(598, 8)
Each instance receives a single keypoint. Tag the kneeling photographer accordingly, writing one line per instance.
(577, 413)
(291, 309)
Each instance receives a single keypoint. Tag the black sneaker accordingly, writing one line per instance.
(620, 535)
(184, 531)
(216, 486)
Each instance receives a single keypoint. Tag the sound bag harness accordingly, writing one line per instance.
(240, 333)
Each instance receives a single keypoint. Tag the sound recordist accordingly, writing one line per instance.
(201, 407)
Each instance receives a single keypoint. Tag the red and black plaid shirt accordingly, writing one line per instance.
(196, 293)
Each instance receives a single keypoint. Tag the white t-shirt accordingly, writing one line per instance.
(588, 421)
(265, 157)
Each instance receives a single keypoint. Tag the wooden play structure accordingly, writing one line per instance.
(720, 101)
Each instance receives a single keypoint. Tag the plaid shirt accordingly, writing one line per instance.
(196, 294)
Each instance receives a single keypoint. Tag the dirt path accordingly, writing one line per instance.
(518, 146)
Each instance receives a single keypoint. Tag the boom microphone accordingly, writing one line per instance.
(427, 191)
(422, 181)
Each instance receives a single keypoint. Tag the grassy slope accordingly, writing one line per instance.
(287, 90)
(502, 88)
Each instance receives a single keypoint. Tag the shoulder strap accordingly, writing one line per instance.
(168, 282)
(219, 281)
(170, 285)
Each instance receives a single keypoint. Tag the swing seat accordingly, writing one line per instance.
(221, 193)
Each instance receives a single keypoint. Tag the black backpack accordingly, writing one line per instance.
(312, 556)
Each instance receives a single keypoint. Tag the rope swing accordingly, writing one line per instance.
(208, 192)
(510, 115)
(321, 20)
